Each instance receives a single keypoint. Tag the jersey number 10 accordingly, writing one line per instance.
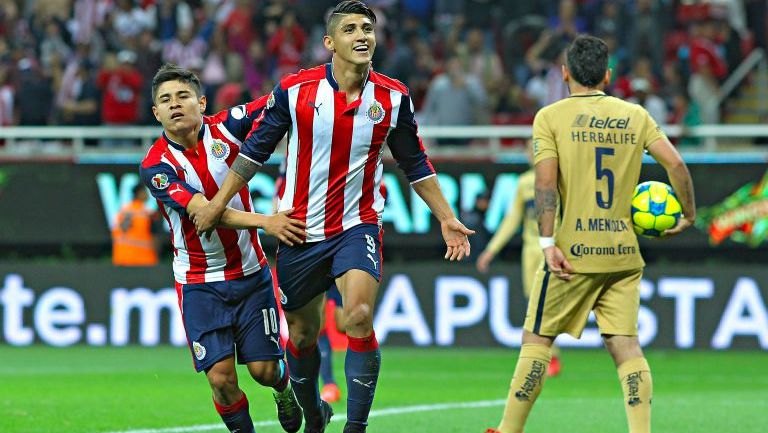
(602, 172)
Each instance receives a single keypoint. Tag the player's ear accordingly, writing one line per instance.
(566, 75)
(156, 113)
(328, 42)
(203, 101)
(607, 79)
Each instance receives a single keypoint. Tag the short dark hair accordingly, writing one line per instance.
(587, 60)
(172, 72)
(348, 7)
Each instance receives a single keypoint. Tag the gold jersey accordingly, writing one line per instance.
(599, 142)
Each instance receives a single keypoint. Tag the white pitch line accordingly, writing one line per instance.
(336, 418)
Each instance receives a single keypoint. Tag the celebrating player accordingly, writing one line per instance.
(522, 210)
(223, 282)
(338, 116)
(588, 151)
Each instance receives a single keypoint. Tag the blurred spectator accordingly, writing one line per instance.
(187, 48)
(53, 45)
(120, 83)
(256, 68)
(34, 88)
(643, 94)
(480, 60)
(455, 97)
(6, 97)
(546, 59)
(708, 67)
(286, 45)
(79, 98)
(646, 34)
(239, 27)
(686, 114)
(128, 20)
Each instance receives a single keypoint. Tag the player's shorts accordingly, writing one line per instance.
(334, 295)
(231, 317)
(532, 259)
(307, 270)
(557, 306)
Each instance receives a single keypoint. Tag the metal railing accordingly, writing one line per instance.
(67, 142)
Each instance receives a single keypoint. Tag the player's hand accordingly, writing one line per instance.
(682, 224)
(455, 236)
(206, 218)
(288, 230)
(483, 261)
(557, 263)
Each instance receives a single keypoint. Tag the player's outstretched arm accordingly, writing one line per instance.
(546, 207)
(288, 230)
(665, 153)
(454, 232)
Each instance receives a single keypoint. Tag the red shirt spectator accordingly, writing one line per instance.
(287, 44)
(120, 88)
(704, 54)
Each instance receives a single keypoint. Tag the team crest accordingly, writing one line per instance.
(375, 113)
(160, 181)
(271, 100)
(219, 149)
(199, 350)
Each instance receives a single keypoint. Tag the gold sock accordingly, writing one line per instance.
(525, 386)
(637, 385)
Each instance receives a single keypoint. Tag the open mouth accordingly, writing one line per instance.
(361, 49)
(175, 116)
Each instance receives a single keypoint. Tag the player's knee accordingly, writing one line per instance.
(304, 338)
(359, 317)
(264, 372)
(224, 383)
(622, 348)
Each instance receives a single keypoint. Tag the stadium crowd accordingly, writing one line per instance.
(465, 61)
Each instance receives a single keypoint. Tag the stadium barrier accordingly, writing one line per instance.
(425, 304)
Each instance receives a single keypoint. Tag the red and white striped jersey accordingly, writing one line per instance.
(174, 174)
(333, 160)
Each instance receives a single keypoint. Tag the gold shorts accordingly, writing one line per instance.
(557, 306)
(532, 259)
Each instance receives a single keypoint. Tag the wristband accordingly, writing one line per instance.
(546, 242)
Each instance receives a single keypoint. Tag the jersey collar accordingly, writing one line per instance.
(588, 95)
(179, 147)
(332, 80)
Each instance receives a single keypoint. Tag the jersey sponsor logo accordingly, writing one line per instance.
(199, 350)
(271, 100)
(532, 380)
(219, 149)
(160, 181)
(633, 388)
(238, 112)
(586, 121)
(375, 113)
(581, 250)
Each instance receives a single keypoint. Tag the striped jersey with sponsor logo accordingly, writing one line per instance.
(174, 174)
(333, 167)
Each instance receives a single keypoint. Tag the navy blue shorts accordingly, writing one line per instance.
(334, 295)
(232, 317)
(307, 270)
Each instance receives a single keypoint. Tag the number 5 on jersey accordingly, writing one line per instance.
(603, 172)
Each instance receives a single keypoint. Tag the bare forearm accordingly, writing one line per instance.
(429, 191)
(232, 184)
(546, 208)
(237, 219)
(683, 186)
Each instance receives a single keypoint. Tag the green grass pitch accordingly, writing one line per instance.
(154, 390)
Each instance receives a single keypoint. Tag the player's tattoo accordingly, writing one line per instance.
(546, 203)
(244, 167)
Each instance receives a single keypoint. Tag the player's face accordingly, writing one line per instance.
(353, 39)
(177, 107)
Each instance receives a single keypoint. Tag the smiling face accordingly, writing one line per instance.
(178, 108)
(352, 39)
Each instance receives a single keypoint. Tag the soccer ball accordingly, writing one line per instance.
(655, 208)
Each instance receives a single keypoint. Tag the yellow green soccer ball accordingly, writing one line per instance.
(655, 208)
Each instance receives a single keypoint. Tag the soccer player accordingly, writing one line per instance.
(521, 211)
(338, 117)
(588, 150)
(223, 282)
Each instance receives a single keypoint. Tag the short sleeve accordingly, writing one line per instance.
(406, 145)
(269, 128)
(544, 146)
(239, 119)
(651, 130)
(165, 185)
